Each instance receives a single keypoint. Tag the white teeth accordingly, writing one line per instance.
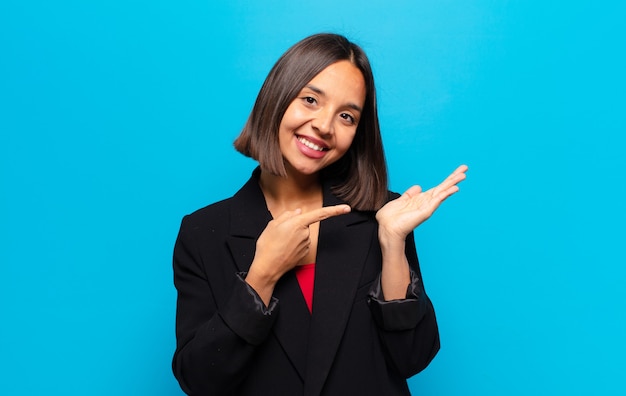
(309, 144)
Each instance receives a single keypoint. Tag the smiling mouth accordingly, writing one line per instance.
(311, 145)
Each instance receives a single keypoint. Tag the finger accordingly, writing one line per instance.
(453, 179)
(458, 175)
(306, 219)
(445, 194)
(442, 192)
(413, 191)
(460, 169)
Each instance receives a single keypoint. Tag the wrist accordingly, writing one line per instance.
(262, 283)
(261, 277)
(390, 240)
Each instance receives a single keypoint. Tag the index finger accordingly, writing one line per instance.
(308, 218)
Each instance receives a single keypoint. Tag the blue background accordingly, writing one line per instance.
(117, 118)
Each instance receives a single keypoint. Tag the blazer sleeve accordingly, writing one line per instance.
(214, 346)
(408, 327)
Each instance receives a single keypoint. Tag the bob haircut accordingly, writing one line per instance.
(359, 177)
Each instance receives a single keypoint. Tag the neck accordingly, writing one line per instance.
(290, 193)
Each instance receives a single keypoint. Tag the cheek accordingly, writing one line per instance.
(346, 139)
(288, 127)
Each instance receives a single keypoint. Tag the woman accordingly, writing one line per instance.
(306, 281)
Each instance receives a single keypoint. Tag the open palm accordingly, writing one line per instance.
(400, 216)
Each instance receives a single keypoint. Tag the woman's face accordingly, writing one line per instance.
(320, 123)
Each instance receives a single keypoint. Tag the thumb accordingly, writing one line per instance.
(413, 191)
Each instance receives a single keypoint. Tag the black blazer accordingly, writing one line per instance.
(354, 343)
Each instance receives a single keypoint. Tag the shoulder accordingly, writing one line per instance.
(208, 218)
(391, 195)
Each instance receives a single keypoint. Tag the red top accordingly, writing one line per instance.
(306, 276)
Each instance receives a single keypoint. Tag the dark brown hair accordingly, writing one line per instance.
(360, 176)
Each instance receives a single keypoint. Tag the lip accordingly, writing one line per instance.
(308, 151)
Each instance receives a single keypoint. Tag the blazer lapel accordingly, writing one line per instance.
(343, 245)
(249, 217)
(293, 322)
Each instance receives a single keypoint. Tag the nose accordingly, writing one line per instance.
(323, 122)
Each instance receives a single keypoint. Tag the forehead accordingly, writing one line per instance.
(341, 80)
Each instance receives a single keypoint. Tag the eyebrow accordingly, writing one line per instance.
(320, 92)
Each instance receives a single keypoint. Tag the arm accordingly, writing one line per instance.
(407, 326)
(215, 346)
(399, 305)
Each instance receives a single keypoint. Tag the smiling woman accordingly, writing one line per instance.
(307, 280)
(363, 170)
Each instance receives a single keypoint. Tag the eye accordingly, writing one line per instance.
(309, 100)
(347, 117)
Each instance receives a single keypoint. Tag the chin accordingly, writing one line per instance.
(307, 171)
(303, 169)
